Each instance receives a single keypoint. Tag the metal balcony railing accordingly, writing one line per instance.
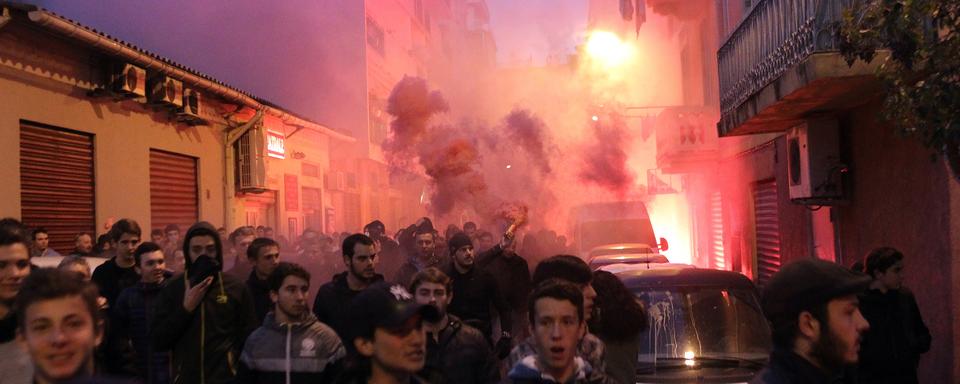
(775, 36)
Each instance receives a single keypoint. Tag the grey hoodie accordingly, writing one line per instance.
(305, 352)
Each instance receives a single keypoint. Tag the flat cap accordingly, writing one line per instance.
(804, 284)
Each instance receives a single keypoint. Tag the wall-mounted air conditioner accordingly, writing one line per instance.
(128, 80)
(165, 90)
(190, 106)
(815, 170)
(250, 169)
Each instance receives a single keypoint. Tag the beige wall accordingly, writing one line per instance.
(45, 80)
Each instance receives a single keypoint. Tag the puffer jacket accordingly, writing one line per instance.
(130, 319)
(461, 354)
(306, 352)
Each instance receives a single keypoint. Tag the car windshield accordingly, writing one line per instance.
(708, 324)
(621, 251)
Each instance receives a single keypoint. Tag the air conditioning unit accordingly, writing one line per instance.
(165, 90)
(250, 168)
(128, 80)
(814, 168)
(190, 105)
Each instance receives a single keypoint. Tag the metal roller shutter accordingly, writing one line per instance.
(716, 232)
(768, 231)
(173, 190)
(56, 183)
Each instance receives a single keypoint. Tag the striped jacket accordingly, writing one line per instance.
(306, 352)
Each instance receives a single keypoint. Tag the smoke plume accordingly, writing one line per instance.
(605, 160)
(529, 132)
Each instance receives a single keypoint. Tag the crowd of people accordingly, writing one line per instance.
(461, 306)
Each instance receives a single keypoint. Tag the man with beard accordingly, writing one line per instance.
(59, 326)
(119, 272)
(557, 326)
(83, 244)
(130, 318)
(291, 346)
(264, 255)
(573, 270)
(389, 252)
(387, 334)
(814, 313)
(360, 258)
(897, 337)
(456, 351)
(203, 315)
(14, 268)
(424, 253)
(474, 291)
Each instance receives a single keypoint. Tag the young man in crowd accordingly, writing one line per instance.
(458, 352)
(389, 252)
(814, 314)
(291, 346)
(557, 325)
(14, 268)
(173, 248)
(59, 326)
(891, 349)
(203, 315)
(119, 272)
(41, 244)
(475, 291)
(512, 274)
(240, 240)
(130, 317)
(360, 259)
(264, 255)
(573, 270)
(424, 253)
(386, 330)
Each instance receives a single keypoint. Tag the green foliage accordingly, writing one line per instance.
(922, 74)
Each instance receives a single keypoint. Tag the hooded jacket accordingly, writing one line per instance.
(527, 372)
(207, 342)
(306, 352)
(332, 300)
(591, 349)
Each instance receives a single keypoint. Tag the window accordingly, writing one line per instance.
(310, 170)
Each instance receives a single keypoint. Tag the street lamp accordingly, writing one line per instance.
(607, 48)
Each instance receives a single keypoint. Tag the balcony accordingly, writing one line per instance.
(782, 64)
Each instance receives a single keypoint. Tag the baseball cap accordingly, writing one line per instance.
(802, 285)
(385, 305)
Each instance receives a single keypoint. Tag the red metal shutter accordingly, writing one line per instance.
(717, 258)
(173, 190)
(56, 183)
(768, 230)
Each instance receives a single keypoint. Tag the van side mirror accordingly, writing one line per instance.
(664, 245)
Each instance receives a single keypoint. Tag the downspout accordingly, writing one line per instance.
(5, 17)
(111, 47)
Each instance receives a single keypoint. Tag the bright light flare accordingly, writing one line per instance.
(688, 359)
(607, 48)
(595, 118)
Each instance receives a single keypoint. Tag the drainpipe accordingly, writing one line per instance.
(114, 48)
(5, 17)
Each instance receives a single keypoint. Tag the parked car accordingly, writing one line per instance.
(705, 325)
(623, 253)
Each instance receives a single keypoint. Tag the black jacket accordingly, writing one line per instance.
(261, 296)
(130, 319)
(474, 293)
(786, 367)
(225, 318)
(332, 302)
(512, 275)
(891, 348)
(461, 354)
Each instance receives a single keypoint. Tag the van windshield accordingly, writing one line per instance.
(708, 323)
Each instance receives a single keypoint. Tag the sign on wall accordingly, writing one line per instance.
(275, 144)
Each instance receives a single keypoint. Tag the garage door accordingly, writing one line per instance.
(768, 230)
(173, 190)
(56, 182)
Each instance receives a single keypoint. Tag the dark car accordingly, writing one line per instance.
(705, 325)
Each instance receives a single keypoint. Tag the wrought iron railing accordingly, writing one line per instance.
(775, 36)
